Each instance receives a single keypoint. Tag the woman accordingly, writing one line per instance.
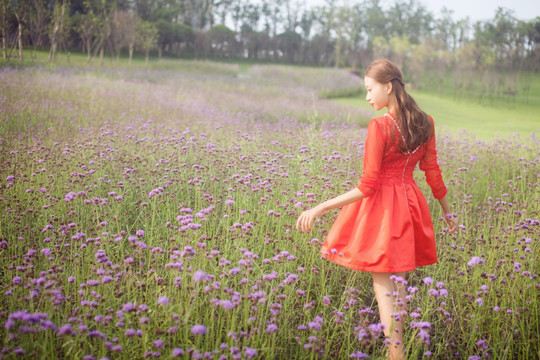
(385, 225)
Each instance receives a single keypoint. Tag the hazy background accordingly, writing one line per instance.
(475, 10)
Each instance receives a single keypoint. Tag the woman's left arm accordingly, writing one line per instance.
(305, 220)
(375, 143)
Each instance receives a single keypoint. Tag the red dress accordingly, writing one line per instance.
(390, 230)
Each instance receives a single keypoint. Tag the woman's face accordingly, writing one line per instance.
(377, 93)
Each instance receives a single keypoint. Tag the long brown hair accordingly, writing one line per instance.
(415, 125)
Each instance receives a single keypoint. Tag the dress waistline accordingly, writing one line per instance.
(396, 181)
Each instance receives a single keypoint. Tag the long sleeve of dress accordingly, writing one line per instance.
(430, 166)
(373, 155)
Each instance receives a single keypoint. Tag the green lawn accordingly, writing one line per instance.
(485, 122)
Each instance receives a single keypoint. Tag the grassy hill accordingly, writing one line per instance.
(484, 121)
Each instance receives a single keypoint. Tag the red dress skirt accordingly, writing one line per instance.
(390, 229)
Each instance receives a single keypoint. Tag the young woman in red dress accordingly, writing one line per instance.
(385, 225)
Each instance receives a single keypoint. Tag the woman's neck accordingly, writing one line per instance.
(393, 107)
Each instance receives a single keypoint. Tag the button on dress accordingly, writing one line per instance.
(390, 229)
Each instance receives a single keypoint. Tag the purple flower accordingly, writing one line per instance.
(424, 336)
(127, 307)
(163, 300)
(199, 275)
(358, 355)
(158, 343)
(271, 328)
(376, 329)
(66, 329)
(69, 196)
(479, 301)
(250, 352)
(482, 344)
(177, 352)
(475, 260)
(198, 329)
(326, 300)
(420, 325)
(427, 281)
(226, 304)
(268, 277)
(314, 325)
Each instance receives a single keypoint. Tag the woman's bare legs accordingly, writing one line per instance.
(392, 306)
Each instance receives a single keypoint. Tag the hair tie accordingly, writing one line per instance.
(400, 81)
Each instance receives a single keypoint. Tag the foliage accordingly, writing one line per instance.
(287, 31)
(221, 41)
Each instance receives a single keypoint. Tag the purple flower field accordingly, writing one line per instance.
(151, 214)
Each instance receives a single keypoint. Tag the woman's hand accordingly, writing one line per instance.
(452, 222)
(305, 220)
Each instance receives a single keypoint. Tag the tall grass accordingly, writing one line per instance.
(141, 203)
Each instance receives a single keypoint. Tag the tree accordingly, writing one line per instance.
(200, 12)
(39, 19)
(409, 18)
(147, 35)
(345, 26)
(222, 9)
(131, 33)
(118, 37)
(375, 22)
(59, 26)
(289, 43)
(3, 24)
(320, 50)
(446, 30)
(182, 35)
(87, 28)
(221, 40)
(21, 9)
(400, 47)
(502, 30)
(165, 35)
(97, 25)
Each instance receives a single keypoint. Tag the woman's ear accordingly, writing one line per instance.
(388, 87)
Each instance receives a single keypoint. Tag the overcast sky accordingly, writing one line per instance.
(474, 9)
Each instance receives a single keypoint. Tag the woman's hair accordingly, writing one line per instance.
(415, 125)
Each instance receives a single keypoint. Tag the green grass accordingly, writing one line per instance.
(486, 122)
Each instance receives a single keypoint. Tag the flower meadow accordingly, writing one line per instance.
(150, 213)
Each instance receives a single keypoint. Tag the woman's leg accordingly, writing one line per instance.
(392, 307)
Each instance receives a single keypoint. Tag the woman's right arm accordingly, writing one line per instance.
(430, 165)
(451, 219)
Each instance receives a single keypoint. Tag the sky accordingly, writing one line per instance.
(475, 9)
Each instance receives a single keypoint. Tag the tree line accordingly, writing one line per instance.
(277, 31)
